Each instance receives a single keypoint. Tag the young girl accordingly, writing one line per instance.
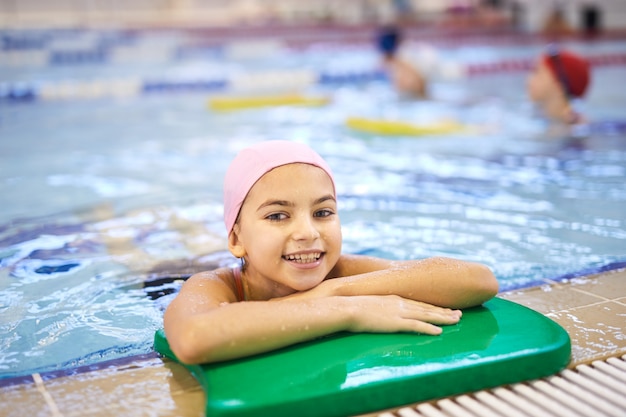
(558, 79)
(280, 211)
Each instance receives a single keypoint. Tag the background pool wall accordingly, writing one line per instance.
(526, 14)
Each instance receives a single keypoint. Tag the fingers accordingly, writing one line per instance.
(424, 318)
(429, 313)
(396, 314)
(417, 326)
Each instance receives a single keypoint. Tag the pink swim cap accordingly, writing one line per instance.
(254, 162)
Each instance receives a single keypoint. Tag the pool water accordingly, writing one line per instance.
(109, 203)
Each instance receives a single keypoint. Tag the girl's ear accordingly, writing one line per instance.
(234, 244)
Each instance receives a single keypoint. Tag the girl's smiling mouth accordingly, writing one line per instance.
(303, 258)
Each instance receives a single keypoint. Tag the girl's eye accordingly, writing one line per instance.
(276, 216)
(323, 213)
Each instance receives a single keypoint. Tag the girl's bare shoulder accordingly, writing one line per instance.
(217, 285)
(223, 275)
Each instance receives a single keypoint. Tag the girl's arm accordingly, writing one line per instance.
(444, 282)
(204, 323)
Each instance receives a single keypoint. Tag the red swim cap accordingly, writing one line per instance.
(575, 70)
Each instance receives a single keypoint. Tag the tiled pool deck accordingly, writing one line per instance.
(592, 309)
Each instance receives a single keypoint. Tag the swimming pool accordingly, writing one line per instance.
(108, 197)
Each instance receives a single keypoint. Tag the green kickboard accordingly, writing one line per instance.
(348, 374)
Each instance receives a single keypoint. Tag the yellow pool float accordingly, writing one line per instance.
(248, 102)
(398, 128)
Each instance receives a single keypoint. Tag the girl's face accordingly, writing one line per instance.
(289, 230)
(541, 83)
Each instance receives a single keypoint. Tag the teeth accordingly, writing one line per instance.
(303, 258)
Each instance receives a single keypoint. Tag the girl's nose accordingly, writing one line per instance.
(304, 228)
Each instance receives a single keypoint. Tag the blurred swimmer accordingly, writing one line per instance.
(559, 78)
(404, 76)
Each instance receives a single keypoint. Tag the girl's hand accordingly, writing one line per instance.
(391, 313)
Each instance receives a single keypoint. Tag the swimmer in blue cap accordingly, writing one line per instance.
(404, 76)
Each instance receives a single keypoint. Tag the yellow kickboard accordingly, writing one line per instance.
(397, 128)
(247, 102)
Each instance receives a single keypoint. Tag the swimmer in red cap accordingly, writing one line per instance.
(294, 284)
(404, 76)
(559, 77)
